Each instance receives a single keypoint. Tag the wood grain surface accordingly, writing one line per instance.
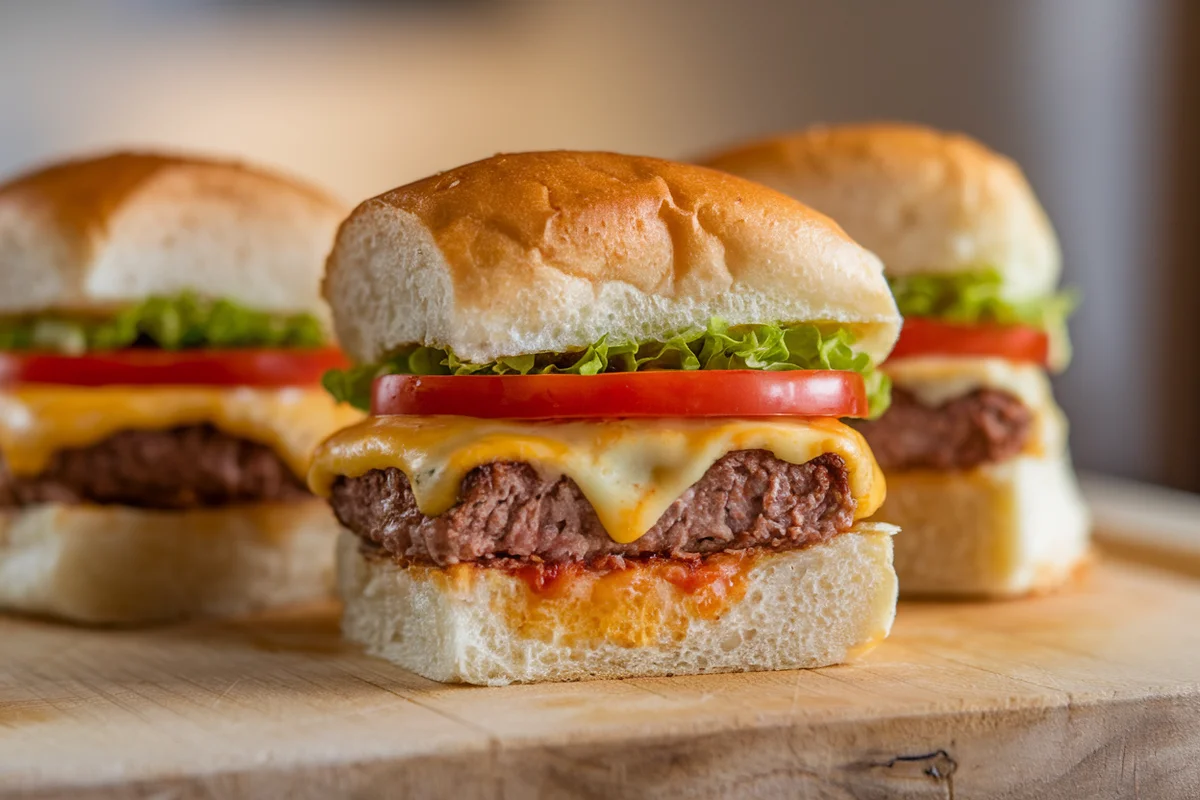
(1090, 693)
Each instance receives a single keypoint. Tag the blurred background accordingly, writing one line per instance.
(1096, 98)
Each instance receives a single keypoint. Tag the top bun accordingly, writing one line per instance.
(925, 201)
(548, 252)
(103, 232)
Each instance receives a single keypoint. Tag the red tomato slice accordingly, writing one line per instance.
(717, 393)
(251, 367)
(927, 337)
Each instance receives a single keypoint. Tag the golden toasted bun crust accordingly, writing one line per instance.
(469, 624)
(547, 252)
(99, 232)
(922, 200)
(119, 565)
(1002, 530)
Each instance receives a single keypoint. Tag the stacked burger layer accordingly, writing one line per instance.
(624, 416)
(604, 438)
(162, 340)
(974, 446)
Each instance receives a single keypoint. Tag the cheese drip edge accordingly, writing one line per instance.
(629, 470)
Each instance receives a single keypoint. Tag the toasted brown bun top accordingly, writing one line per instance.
(924, 201)
(548, 252)
(96, 233)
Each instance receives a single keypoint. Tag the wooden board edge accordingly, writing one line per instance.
(1136, 747)
(1145, 524)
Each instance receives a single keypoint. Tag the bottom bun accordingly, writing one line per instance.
(472, 624)
(1000, 530)
(114, 564)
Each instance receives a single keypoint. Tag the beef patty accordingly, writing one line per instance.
(192, 466)
(507, 511)
(982, 427)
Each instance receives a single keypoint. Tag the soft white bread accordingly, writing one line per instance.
(924, 201)
(97, 233)
(548, 252)
(1001, 530)
(117, 565)
(469, 624)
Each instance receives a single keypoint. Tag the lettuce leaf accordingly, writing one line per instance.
(973, 297)
(715, 346)
(172, 323)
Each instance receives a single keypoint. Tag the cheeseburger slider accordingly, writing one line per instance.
(604, 437)
(161, 346)
(974, 446)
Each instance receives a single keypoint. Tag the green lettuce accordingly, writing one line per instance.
(172, 323)
(974, 297)
(715, 346)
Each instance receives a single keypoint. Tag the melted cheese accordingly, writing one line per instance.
(938, 380)
(630, 470)
(38, 420)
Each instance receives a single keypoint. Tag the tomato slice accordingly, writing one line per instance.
(928, 337)
(716, 393)
(250, 367)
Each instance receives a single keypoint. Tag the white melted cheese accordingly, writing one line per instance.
(936, 380)
(630, 470)
(38, 420)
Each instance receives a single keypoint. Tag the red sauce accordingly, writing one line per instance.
(688, 575)
(545, 578)
(694, 576)
(632, 602)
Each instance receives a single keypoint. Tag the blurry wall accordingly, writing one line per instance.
(364, 96)
(1183, 234)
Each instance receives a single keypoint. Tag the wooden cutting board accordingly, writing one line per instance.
(1092, 693)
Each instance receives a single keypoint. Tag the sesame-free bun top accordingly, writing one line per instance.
(98, 233)
(548, 252)
(924, 201)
